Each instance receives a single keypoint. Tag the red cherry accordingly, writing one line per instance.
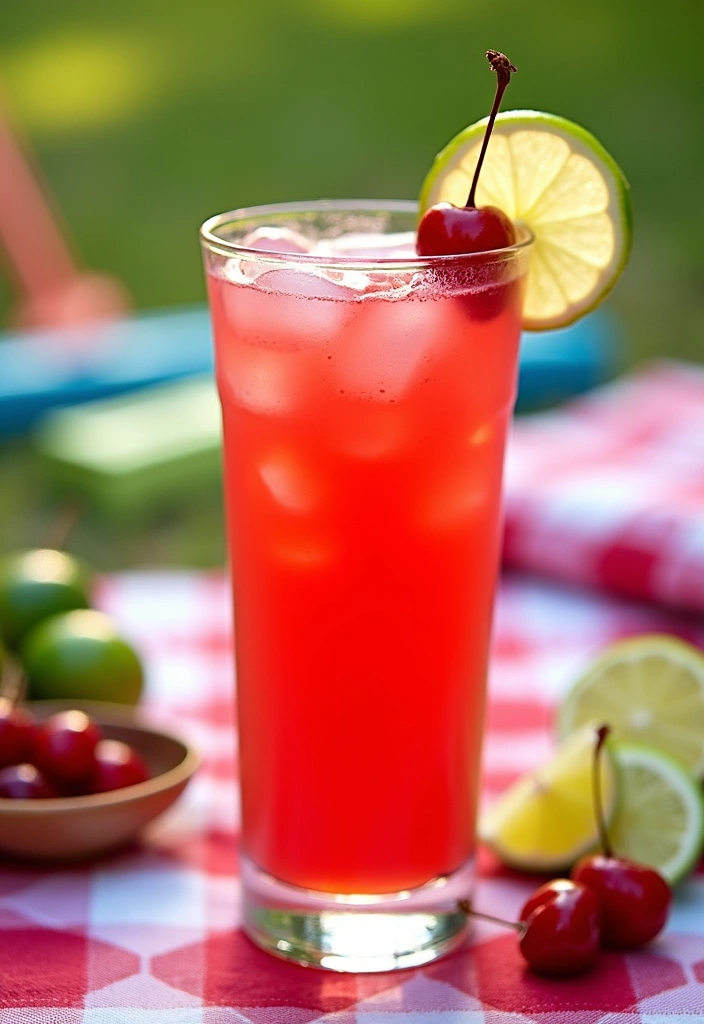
(447, 230)
(16, 733)
(635, 900)
(561, 928)
(24, 782)
(64, 747)
(117, 765)
(456, 230)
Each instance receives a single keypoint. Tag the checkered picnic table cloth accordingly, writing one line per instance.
(151, 935)
(609, 490)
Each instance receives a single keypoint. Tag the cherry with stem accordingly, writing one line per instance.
(447, 230)
(558, 930)
(635, 899)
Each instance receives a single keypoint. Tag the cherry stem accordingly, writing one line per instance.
(503, 68)
(466, 907)
(602, 734)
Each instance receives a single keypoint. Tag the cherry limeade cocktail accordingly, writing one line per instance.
(365, 413)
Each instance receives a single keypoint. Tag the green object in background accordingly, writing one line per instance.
(35, 585)
(80, 656)
(139, 453)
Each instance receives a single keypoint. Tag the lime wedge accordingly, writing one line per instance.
(660, 818)
(649, 689)
(545, 820)
(555, 178)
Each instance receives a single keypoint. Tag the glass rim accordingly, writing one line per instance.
(211, 241)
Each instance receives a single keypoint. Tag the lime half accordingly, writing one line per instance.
(650, 690)
(545, 821)
(660, 819)
(555, 178)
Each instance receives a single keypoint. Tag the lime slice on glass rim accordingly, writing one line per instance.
(660, 818)
(554, 177)
(545, 820)
(650, 689)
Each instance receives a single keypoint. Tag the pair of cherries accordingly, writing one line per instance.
(65, 755)
(607, 902)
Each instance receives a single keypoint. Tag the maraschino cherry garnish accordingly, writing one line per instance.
(447, 230)
(558, 931)
(635, 899)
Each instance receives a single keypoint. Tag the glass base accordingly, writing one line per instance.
(356, 933)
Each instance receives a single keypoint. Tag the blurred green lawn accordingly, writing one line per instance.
(148, 116)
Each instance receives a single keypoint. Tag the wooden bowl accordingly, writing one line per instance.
(69, 828)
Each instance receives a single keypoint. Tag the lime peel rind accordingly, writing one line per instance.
(639, 840)
(580, 142)
(622, 687)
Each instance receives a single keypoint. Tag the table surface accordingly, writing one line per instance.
(151, 935)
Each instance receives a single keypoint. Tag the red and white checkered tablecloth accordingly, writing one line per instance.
(151, 935)
(609, 489)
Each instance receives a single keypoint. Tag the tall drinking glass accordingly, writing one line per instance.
(366, 395)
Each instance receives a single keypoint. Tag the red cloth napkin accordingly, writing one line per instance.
(609, 489)
(152, 935)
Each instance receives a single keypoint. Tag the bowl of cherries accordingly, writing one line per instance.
(80, 779)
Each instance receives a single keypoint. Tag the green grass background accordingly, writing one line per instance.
(146, 116)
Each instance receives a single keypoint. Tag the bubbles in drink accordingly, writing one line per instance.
(290, 482)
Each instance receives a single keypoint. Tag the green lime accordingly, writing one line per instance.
(650, 690)
(79, 655)
(35, 585)
(660, 815)
(555, 178)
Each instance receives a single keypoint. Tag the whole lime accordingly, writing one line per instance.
(80, 656)
(35, 585)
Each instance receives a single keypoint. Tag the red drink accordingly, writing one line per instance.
(365, 414)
